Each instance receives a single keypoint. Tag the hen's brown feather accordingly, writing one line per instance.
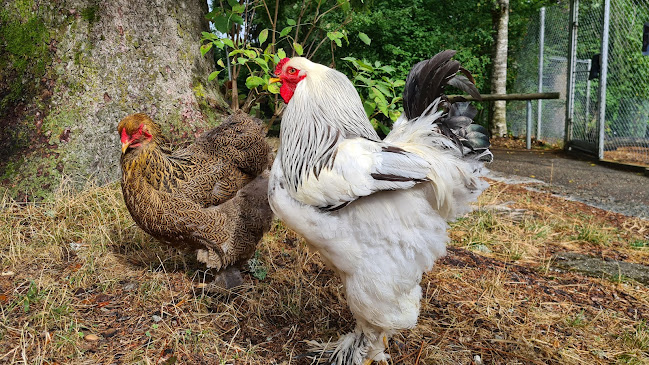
(210, 196)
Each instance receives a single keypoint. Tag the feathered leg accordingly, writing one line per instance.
(354, 348)
(350, 349)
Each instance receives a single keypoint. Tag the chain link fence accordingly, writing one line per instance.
(552, 27)
(627, 92)
(625, 131)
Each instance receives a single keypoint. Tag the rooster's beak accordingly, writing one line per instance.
(273, 80)
(125, 146)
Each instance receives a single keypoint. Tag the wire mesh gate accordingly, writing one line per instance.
(604, 61)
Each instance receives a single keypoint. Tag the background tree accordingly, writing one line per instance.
(71, 69)
(499, 73)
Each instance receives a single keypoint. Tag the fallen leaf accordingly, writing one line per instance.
(91, 338)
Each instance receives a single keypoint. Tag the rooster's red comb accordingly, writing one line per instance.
(280, 65)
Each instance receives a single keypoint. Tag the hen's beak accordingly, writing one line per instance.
(273, 80)
(125, 147)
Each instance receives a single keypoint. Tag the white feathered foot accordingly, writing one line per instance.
(354, 348)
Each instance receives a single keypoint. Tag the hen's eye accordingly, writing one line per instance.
(291, 70)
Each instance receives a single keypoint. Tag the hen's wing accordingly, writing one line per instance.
(241, 138)
(223, 160)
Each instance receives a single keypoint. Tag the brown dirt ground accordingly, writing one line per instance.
(504, 308)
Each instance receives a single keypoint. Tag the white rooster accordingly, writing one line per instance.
(376, 210)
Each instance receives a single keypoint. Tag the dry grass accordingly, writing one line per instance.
(81, 284)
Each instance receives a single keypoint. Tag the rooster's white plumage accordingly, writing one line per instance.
(376, 210)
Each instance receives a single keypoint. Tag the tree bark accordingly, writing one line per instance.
(499, 70)
(105, 60)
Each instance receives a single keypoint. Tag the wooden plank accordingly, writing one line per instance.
(492, 97)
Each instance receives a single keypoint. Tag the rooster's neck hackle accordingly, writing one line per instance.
(324, 110)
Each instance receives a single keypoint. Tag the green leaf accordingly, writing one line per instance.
(364, 38)
(379, 98)
(383, 107)
(388, 69)
(236, 19)
(334, 35)
(394, 115)
(205, 48)
(350, 59)
(250, 53)
(212, 14)
(228, 42)
(233, 3)
(238, 8)
(220, 63)
(218, 43)
(208, 36)
(213, 75)
(384, 89)
(290, 22)
(369, 107)
(298, 49)
(281, 53)
(254, 81)
(285, 31)
(235, 52)
(399, 83)
(339, 43)
(346, 6)
(221, 23)
(262, 63)
(242, 60)
(366, 80)
(385, 129)
(273, 88)
(263, 35)
(363, 65)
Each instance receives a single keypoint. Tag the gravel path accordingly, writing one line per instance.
(575, 177)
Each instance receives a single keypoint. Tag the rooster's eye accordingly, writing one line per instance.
(291, 70)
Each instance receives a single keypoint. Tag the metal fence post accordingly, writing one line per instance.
(539, 110)
(528, 132)
(602, 78)
(570, 84)
(589, 64)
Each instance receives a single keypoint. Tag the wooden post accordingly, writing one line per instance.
(492, 97)
(528, 132)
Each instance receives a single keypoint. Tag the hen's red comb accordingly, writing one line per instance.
(280, 65)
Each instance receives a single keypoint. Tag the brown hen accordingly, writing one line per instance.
(210, 197)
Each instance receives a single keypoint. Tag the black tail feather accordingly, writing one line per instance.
(426, 83)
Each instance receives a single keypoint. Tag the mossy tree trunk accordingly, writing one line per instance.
(71, 69)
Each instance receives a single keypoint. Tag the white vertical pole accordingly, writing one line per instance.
(602, 78)
(539, 110)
